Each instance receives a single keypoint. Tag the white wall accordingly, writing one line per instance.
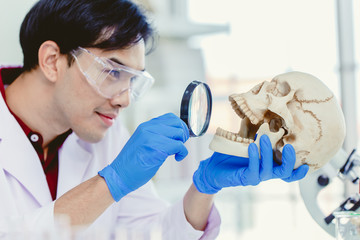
(12, 14)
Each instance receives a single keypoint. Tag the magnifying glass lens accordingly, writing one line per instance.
(196, 108)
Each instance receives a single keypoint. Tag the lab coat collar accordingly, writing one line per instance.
(19, 158)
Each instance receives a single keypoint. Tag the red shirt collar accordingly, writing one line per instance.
(7, 76)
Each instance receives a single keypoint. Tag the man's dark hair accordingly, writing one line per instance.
(105, 24)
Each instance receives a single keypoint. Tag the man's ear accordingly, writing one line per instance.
(49, 55)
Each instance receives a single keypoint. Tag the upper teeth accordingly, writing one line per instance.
(240, 107)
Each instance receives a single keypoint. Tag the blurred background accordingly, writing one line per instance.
(232, 45)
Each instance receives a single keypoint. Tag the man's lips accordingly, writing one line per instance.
(108, 115)
(108, 118)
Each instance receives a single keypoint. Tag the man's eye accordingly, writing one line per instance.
(113, 73)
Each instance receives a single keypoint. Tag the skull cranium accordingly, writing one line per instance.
(294, 108)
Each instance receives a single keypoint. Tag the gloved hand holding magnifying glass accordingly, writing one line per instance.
(153, 141)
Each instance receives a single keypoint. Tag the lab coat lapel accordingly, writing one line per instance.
(5, 199)
(19, 158)
(74, 158)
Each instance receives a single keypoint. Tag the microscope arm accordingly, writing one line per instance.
(314, 182)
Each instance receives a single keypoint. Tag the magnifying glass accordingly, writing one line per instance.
(196, 107)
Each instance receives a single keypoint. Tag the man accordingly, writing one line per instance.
(62, 151)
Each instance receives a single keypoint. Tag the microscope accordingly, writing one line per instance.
(342, 166)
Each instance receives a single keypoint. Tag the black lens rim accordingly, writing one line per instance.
(184, 109)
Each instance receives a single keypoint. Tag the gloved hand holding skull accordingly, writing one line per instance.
(304, 125)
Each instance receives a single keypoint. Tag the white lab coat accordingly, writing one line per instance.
(24, 192)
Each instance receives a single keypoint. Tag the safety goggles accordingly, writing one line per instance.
(109, 78)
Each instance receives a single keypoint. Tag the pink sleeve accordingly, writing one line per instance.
(213, 227)
(178, 223)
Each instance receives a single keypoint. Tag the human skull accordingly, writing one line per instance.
(294, 108)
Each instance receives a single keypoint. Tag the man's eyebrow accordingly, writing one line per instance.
(119, 62)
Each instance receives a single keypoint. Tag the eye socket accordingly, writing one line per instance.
(282, 89)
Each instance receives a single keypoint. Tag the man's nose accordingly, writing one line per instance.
(121, 100)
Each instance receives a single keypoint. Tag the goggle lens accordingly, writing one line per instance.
(111, 79)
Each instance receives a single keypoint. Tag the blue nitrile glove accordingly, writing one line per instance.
(221, 170)
(144, 153)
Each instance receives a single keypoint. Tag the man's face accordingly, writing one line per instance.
(85, 110)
